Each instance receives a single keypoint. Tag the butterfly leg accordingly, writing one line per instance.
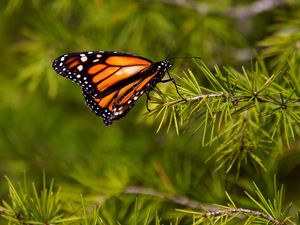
(174, 82)
(147, 100)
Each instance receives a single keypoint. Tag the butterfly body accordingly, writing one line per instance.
(111, 81)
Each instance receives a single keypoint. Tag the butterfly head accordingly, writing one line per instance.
(167, 64)
(163, 66)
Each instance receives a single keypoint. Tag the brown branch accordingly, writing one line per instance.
(198, 98)
(253, 9)
(243, 211)
(239, 12)
(234, 99)
(181, 200)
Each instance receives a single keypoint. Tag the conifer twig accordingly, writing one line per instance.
(198, 98)
(235, 99)
(181, 200)
(239, 12)
(214, 213)
(253, 9)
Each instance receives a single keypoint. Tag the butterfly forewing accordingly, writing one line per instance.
(111, 81)
(94, 71)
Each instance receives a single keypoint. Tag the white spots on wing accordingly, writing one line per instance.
(62, 59)
(61, 64)
(80, 67)
(135, 98)
(118, 111)
(78, 75)
(98, 55)
(83, 58)
(90, 52)
(95, 60)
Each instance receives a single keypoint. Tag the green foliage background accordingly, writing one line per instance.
(129, 173)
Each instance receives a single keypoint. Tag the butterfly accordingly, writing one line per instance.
(111, 82)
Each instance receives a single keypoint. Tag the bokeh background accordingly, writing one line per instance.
(45, 126)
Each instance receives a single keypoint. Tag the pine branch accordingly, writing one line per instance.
(271, 211)
(235, 99)
(197, 98)
(232, 93)
(251, 110)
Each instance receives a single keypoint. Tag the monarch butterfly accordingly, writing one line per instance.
(111, 81)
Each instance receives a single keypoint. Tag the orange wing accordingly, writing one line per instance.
(111, 81)
(99, 73)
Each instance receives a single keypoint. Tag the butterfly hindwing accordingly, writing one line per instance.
(107, 107)
(117, 104)
(111, 81)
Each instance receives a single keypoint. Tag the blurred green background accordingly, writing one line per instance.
(46, 127)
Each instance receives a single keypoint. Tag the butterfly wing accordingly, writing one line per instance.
(100, 73)
(118, 103)
(111, 81)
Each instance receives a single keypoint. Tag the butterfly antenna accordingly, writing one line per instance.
(184, 57)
